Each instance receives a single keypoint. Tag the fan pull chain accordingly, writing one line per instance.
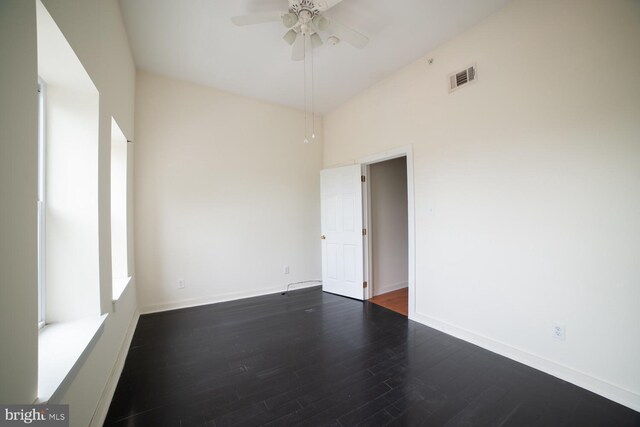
(313, 90)
(306, 139)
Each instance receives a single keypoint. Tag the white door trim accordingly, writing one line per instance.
(405, 151)
(367, 245)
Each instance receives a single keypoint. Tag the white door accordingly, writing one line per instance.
(342, 256)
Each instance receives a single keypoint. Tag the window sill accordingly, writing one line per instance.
(119, 286)
(63, 349)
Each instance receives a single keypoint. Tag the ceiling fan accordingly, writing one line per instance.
(305, 21)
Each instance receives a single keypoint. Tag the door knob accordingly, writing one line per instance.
(323, 237)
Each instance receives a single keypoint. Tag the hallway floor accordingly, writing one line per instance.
(397, 301)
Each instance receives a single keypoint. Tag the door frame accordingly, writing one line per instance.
(405, 151)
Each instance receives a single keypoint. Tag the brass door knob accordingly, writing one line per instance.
(323, 237)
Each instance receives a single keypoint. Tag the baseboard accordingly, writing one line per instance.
(100, 415)
(196, 302)
(581, 379)
(379, 290)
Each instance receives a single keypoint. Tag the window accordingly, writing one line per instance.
(120, 270)
(41, 201)
(69, 297)
(69, 180)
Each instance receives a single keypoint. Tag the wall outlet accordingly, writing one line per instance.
(181, 284)
(559, 332)
(285, 269)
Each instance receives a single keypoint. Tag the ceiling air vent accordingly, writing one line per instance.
(464, 77)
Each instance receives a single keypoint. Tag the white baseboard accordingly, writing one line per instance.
(100, 414)
(196, 302)
(383, 289)
(581, 379)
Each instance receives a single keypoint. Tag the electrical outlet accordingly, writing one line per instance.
(559, 332)
(285, 269)
(181, 284)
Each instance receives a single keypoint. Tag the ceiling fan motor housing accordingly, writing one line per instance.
(304, 5)
(304, 12)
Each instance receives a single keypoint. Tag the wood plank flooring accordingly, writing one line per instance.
(397, 301)
(316, 359)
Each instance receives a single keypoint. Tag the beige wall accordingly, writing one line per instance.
(527, 185)
(227, 194)
(96, 33)
(18, 196)
(389, 225)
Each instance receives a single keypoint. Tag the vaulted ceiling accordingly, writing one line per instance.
(194, 40)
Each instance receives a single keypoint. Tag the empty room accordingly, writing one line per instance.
(320, 213)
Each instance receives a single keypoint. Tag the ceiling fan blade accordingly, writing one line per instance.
(345, 33)
(257, 18)
(299, 48)
(324, 5)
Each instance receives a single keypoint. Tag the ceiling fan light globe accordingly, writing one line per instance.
(318, 21)
(316, 40)
(290, 37)
(289, 19)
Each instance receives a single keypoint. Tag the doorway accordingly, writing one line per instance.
(346, 235)
(387, 240)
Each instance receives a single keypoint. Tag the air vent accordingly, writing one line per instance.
(462, 78)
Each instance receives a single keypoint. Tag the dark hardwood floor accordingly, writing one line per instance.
(315, 359)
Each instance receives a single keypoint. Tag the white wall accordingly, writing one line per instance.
(527, 185)
(95, 30)
(389, 225)
(96, 33)
(18, 196)
(226, 195)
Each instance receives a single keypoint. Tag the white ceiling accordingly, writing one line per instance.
(194, 40)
